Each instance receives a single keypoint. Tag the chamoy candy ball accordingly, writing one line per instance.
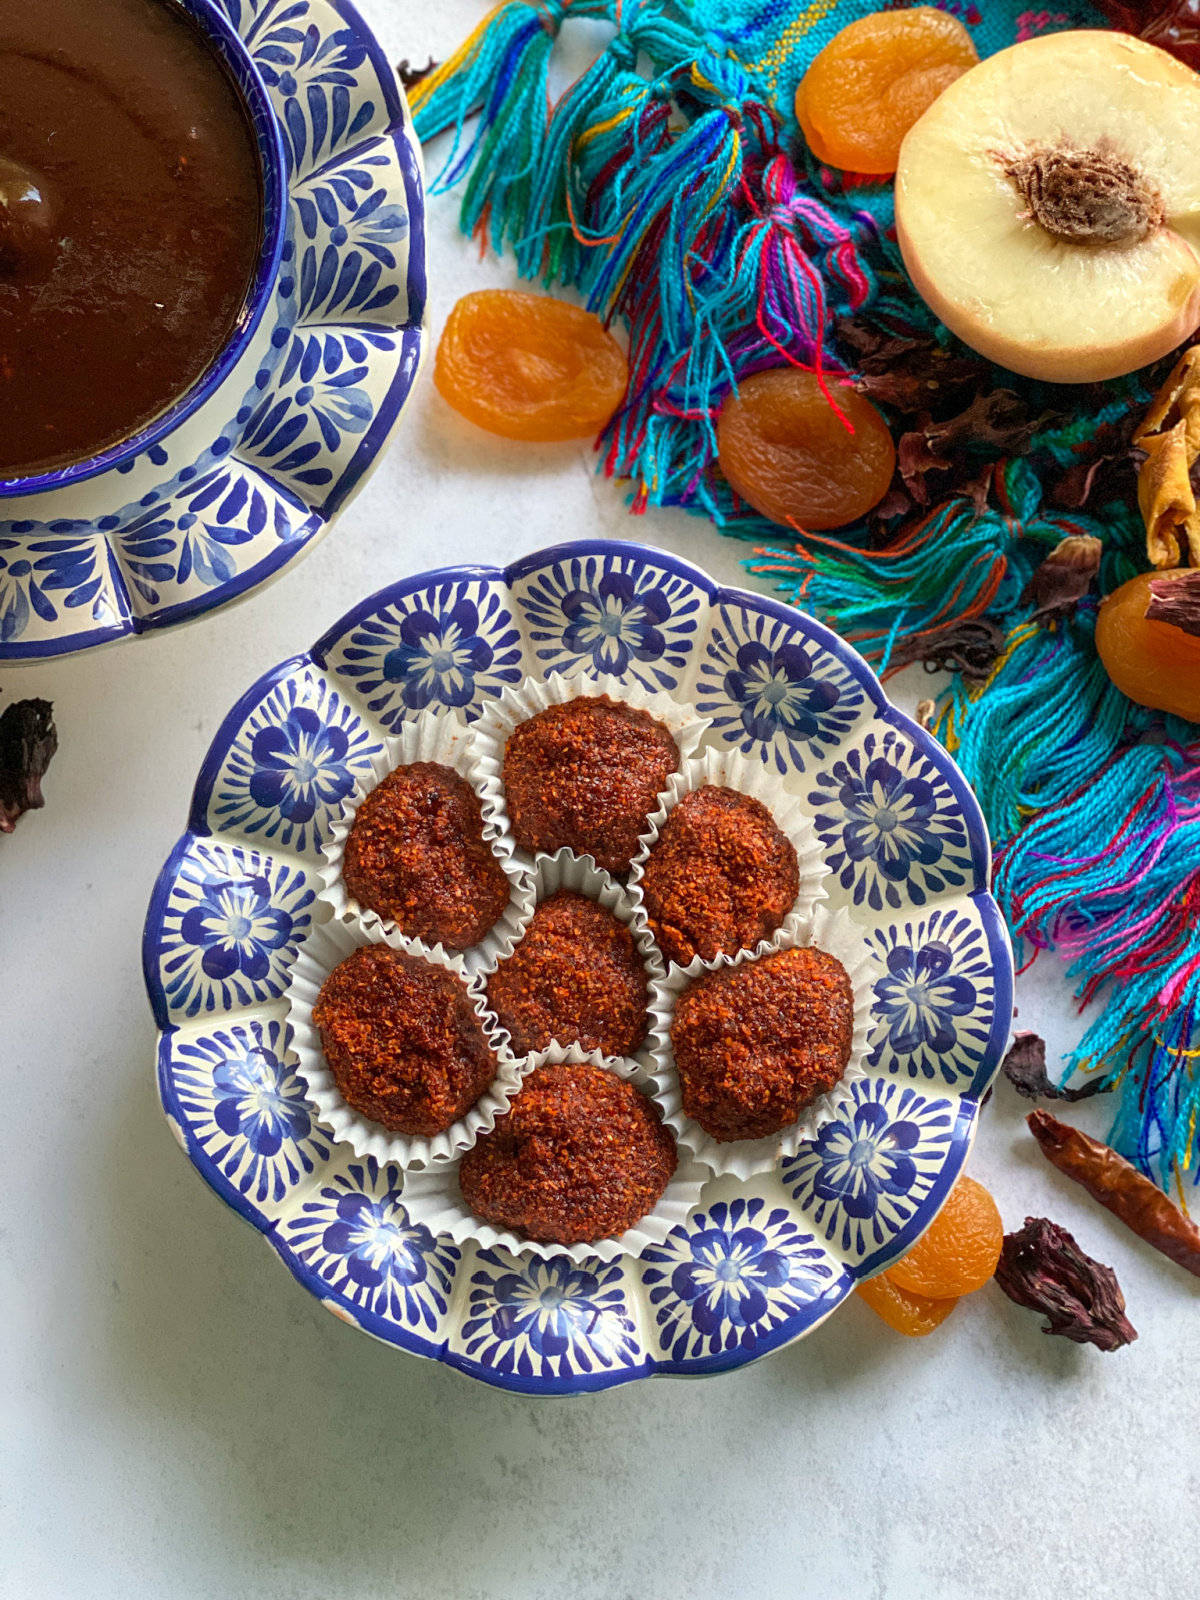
(1154, 662)
(959, 1252)
(911, 1314)
(788, 454)
(873, 80)
(529, 367)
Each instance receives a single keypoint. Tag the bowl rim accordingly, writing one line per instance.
(221, 35)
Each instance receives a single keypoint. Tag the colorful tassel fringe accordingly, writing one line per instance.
(670, 188)
(666, 201)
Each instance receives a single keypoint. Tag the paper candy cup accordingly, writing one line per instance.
(445, 739)
(516, 705)
(837, 935)
(729, 769)
(329, 945)
(566, 870)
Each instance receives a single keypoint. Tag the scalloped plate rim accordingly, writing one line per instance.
(966, 1122)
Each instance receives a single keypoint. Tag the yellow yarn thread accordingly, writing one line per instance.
(943, 727)
(421, 92)
(784, 47)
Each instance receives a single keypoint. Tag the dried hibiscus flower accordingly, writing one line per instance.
(1063, 578)
(1101, 470)
(1043, 1269)
(1175, 598)
(411, 76)
(997, 423)
(909, 372)
(1025, 1069)
(28, 740)
(970, 647)
(1173, 25)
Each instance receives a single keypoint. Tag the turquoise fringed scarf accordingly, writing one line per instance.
(671, 187)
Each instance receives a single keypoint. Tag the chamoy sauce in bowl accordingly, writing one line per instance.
(131, 223)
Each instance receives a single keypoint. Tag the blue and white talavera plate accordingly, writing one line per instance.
(274, 443)
(762, 1262)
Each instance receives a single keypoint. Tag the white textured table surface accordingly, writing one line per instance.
(180, 1419)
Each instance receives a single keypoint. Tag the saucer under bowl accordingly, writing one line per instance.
(240, 478)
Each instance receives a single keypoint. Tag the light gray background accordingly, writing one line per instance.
(181, 1419)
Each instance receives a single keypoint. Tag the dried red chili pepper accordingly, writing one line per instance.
(1043, 1269)
(1120, 1188)
(28, 740)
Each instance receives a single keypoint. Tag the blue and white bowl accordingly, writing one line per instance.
(760, 1262)
(243, 474)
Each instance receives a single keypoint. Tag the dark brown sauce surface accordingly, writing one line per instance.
(130, 221)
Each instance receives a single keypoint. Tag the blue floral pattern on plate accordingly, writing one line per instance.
(318, 71)
(548, 1319)
(53, 577)
(890, 823)
(295, 759)
(192, 542)
(310, 421)
(774, 692)
(730, 1277)
(187, 527)
(933, 1006)
(247, 1109)
(231, 929)
(351, 229)
(448, 647)
(757, 1265)
(863, 1178)
(609, 616)
(355, 1233)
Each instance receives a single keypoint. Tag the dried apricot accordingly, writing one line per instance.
(874, 79)
(959, 1252)
(529, 367)
(786, 451)
(911, 1314)
(1154, 663)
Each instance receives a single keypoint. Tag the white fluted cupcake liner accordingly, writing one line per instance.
(729, 769)
(574, 1055)
(444, 738)
(435, 1199)
(516, 705)
(326, 948)
(837, 935)
(566, 870)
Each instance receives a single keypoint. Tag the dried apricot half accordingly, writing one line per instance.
(529, 367)
(785, 450)
(874, 79)
(959, 1252)
(911, 1314)
(1153, 662)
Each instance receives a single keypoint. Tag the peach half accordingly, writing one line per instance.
(1048, 206)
